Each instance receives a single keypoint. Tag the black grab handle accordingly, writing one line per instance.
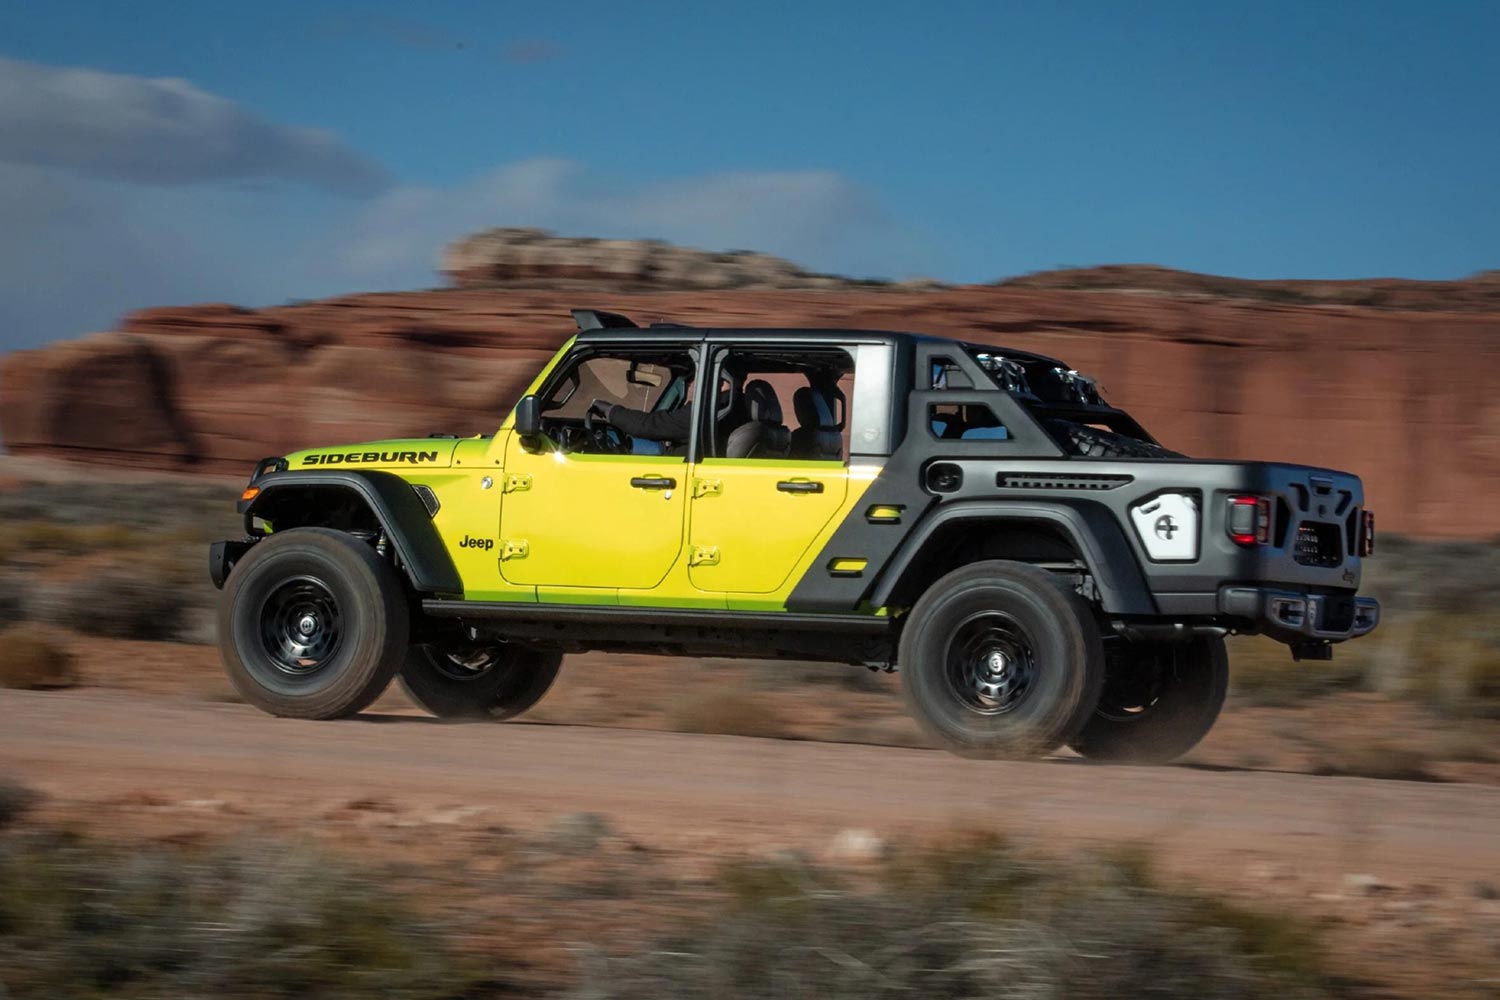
(799, 486)
(654, 483)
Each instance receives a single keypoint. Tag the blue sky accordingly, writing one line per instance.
(315, 148)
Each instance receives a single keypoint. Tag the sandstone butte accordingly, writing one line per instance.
(1394, 380)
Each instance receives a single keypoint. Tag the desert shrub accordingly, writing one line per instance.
(1375, 758)
(148, 597)
(728, 712)
(1262, 672)
(32, 657)
(16, 800)
(82, 919)
(27, 538)
(972, 919)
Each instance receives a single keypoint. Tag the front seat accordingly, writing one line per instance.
(763, 435)
(817, 436)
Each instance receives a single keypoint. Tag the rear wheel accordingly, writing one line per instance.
(1159, 700)
(312, 624)
(998, 660)
(471, 681)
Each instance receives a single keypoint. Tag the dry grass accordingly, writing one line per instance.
(34, 658)
(82, 918)
(149, 597)
(970, 918)
(728, 712)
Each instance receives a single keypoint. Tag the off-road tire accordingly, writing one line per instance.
(336, 577)
(514, 680)
(1009, 607)
(1164, 708)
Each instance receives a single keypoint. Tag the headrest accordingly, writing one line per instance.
(762, 402)
(814, 409)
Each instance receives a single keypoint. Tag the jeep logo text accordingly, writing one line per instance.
(470, 542)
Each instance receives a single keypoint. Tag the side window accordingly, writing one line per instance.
(785, 403)
(638, 384)
(641, 400)
(965, 422)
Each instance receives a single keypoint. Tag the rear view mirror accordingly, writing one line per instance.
(528, 422)
(636, 375)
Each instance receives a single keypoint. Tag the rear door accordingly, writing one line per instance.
(752, 519)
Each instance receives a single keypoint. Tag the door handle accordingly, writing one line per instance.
(799, 486)
(654, 483)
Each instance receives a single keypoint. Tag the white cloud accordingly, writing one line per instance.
(77, 251)
(818, 218)
(161, 131)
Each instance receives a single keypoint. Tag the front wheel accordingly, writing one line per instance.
(998, 659)
(312, 624)
(1159, 700)
(477, 681)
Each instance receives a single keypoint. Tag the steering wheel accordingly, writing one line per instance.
(605, 439)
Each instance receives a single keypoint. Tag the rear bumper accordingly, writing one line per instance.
(221, 559)
(1296, 616)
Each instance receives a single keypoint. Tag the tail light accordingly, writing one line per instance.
(1249, 521)
(1366, 534)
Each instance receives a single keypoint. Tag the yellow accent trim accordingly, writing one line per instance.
(887, 513)
(851, 567)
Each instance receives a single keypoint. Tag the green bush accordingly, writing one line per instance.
(81, 919)
(971, 919)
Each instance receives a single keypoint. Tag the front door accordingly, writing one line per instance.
(585, 506)
(584, 520)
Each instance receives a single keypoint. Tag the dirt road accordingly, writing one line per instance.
(698, 792)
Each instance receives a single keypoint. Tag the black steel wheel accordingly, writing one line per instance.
(312, 624)
(991, 662)
(998, 659)
(477, 680)
(1159, 700)
(300, 626)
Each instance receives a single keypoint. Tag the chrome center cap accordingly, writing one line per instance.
(998, 664)
(307, 625)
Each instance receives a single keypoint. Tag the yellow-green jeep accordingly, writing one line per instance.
(1041, 569)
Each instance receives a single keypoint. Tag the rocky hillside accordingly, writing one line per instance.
(1477, 293)
(535, 258)
(1405, 396)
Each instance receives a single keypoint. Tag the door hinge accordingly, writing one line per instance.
(514, 548)
(517, 481)
(708, 487)
(704, 555)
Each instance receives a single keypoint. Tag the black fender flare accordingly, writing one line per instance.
(395, 505)
(1091, 528)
